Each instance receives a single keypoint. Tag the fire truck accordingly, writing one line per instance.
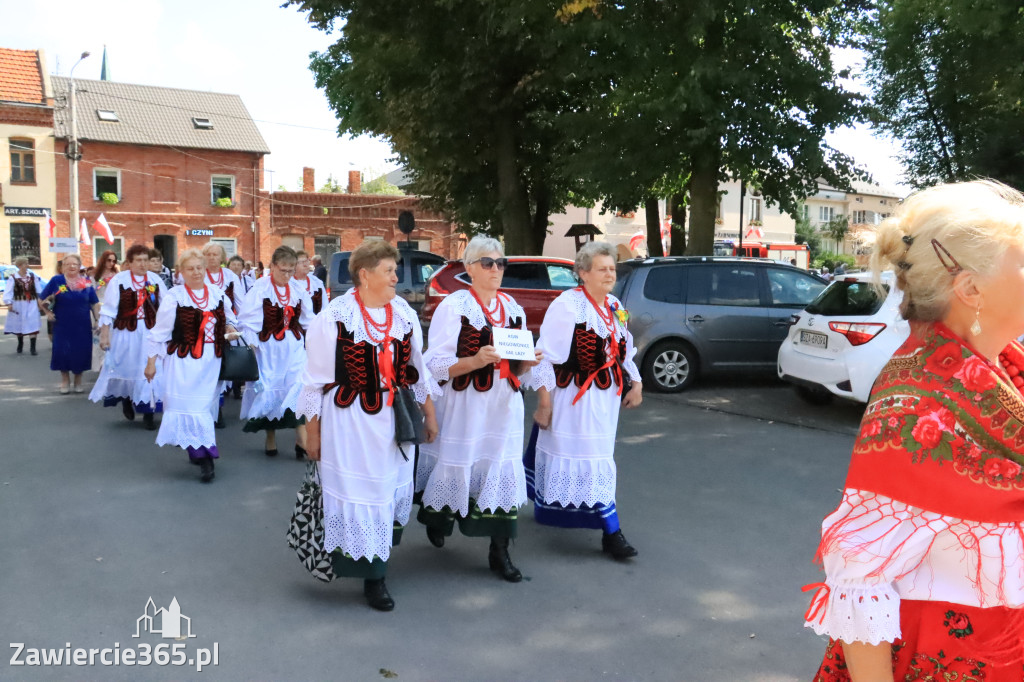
(785, 253)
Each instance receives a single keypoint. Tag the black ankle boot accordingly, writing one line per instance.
(501, 562)
(436, 536)
(147, 419)
(206, 469)
(32, 346)
(21, 343)
(616, 545)
(219, 424)
(377, 595)
(128, 409)
(300, 452)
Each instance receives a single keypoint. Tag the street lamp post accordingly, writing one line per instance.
(72, 153)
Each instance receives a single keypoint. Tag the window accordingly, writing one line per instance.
(790, 289)
(848, 298)
(755, 208)
(25, 242)
(525, 276)
(23, 161)
(666, 284)
(230, 246)
(734, 285)
(325, 246)
(826, 213)
(222, 187)
(99, 245)
(106, 181)
(562, 277)
(425, 266)
(860, 217)
(202, 123)
(805, 211)
(107, 115)
(293, 241)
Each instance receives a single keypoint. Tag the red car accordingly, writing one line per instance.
(534, 281)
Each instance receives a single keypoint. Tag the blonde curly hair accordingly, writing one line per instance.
(966, 224)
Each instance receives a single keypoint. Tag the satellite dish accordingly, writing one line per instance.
(406, 222)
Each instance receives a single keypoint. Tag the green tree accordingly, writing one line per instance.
(695, 92)
(806, 233)
(947, 82)
(380, 184)
(332, 186)
(837, 229)
(468, 94)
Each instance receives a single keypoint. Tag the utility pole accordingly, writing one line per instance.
(743, 194)
(73, 153)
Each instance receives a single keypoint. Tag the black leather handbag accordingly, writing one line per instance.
(239, 363)
(409, 426)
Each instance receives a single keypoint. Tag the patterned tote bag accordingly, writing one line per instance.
(306, 533)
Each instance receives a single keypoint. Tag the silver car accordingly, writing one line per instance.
(703, 314)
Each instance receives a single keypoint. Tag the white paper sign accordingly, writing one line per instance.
(513, 344)
(63, 245)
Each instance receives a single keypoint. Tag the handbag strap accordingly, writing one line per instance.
(313, 472)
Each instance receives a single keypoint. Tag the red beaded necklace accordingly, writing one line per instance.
(137, 285)
(1015, 374)
(218, 282)
(608, 319)
(379, 327)
(283, 300)
(499, 308)
(200, 302)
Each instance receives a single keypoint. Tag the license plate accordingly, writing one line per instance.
(814, 339)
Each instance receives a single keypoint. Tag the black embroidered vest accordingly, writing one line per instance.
(274, 324)
(586, 355)
(471, 340)
(127, 312)
(23, 292)
(357, 372)
(188, 337)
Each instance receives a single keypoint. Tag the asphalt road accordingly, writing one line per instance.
(722, 490)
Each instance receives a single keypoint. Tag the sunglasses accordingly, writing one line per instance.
(488, 263)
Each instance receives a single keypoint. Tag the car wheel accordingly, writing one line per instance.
(670, 367)
(815, 396)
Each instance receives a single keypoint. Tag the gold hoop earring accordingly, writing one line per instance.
(976, 327)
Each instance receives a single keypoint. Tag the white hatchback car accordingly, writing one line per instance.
(841, 341)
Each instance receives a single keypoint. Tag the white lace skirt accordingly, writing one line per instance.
(575, 457)
(367, 484)
(478, 453)
(191, 397)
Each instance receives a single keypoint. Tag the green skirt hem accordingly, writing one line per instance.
(345, 566)
(478, 524)
(288, 421)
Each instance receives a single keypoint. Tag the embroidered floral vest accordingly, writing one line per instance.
(357, 373)
(318, 301)
(128, 311)
(188, 338)
(471, 340)
(24, 292)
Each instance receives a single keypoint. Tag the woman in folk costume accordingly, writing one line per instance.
(192, 327)
(587, 373)
(75, 307)
(220, 276)
(924, 557)
(473, 473)
(364, 347)
(129, 306)
(274, 318)
(308, 281)
(21, 293)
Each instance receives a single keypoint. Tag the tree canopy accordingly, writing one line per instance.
(947, 80)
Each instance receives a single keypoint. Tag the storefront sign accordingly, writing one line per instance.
(24, 211)
(63, 245)
(199, 233)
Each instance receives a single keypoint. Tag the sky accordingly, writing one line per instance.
(260, 51)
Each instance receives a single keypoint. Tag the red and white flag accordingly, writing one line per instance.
(755, 231)
(51, 226)
(102, 228)
(83, 234)
(637, 241)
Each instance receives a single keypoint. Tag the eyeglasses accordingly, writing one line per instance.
(488, 263)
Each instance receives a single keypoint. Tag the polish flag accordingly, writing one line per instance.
(102, 228)
(51, 226)
(83, 234)
(637, 241)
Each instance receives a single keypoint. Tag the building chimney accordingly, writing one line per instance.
(355, 182)
(308, 183)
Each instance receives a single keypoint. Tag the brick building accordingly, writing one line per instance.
(167, 167)
(323, 222)
(27, 159)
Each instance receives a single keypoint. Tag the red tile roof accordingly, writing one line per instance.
(20, 77)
